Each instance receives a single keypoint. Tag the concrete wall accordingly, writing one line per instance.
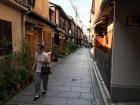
(15, 17)
(42, 8)
(126, 46)
(97, 7)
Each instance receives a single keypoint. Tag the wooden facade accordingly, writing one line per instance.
(66, 28)
(116, 48)
(40, 22)
(39, 27)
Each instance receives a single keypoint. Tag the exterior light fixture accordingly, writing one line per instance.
(60, 37)
(69, 31)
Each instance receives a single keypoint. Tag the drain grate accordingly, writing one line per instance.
(74, 79)
(79, 53)
(12, 104)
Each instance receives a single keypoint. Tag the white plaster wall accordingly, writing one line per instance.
(126, 46)
(91, 24)
(97, 7)
(15, 17)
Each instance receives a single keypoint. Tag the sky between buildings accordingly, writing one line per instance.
(83, 6)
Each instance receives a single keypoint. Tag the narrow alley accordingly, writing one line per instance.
(92, 46)
(72, 83)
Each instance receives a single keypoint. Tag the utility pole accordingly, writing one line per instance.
(75, 10)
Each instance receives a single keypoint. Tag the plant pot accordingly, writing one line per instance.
(17, 86)
(2, 93)
(29, 79)
(60, 56)
(55, 59)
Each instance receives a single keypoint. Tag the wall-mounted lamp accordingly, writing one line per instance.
(60, 37)
(69, 31)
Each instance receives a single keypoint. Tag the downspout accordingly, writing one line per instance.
(23, 23)
(55, 13)
(24, 17)
(100, 10)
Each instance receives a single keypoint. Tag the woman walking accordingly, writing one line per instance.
(41, 58)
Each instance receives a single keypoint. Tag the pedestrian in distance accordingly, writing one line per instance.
(41, 58)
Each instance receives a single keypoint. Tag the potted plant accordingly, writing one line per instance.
(2, 84)
(24, 73)
(17, 79)
(55, 53)
(66, 50)
(69, 47)
(12, 78)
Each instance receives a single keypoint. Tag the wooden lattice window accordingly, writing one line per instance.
(5, 37)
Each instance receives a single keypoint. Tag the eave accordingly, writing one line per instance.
(39, 17)
(15, 5)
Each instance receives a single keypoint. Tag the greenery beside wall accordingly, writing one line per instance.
(69, 47)
(15, 72)
(4, 45)
(56, 52)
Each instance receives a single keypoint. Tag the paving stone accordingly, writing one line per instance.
(58, 83)
(60, 88)
(80, 89)
(59, 77)
(69, 94)
(78, 102)
(14, 98)
(93, 102)
(52, 93)
(88, 85)
(25, 100)
(11, 102)
(54, 101)
(65, 80)
(73, 84)
(74, 76)
(87, 95)
(53, 80)
(97, 101)
(87, 78)
(96, 93)
(70, 84)
(86, 81)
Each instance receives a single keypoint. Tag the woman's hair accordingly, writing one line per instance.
(41, 46)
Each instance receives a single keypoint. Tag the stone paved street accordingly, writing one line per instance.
(72, 83)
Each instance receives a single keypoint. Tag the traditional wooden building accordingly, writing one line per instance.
(38, 27)
(58, 16)
(66, 28)
(116, 34)
(36, 21)
(28, 20)
(80, 35)
(12, 17)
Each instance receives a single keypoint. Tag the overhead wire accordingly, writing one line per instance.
(74, 6)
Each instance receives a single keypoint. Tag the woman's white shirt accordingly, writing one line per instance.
(41, 57)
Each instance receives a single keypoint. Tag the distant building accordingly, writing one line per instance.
(66, 29)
